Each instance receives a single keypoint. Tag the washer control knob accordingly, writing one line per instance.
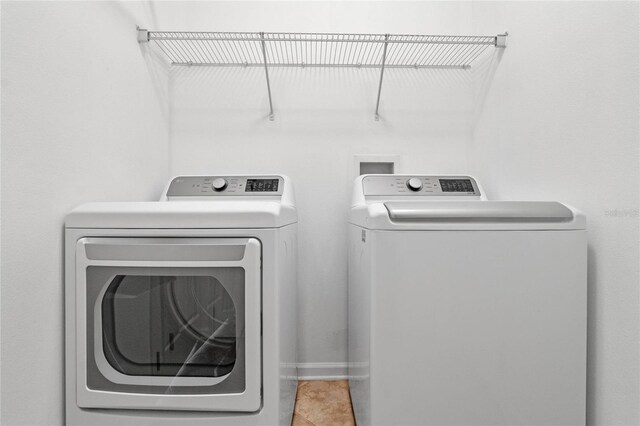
(219, 184)
(414, 184)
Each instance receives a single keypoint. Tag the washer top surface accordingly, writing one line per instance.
(449, 202)
(199, 202)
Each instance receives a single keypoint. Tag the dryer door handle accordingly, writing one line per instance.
(166, 249)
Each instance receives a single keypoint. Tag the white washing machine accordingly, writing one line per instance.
(464, 311)
(183, 311)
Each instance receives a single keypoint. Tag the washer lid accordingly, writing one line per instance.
(481, 215)
(183, 215)
(473, 211)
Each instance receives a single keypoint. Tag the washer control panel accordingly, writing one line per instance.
(386, 185)
(211, 186)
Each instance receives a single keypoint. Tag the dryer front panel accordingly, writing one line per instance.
(169, 323)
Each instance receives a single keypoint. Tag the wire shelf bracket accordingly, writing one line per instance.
(328, 50)
(384, 58)
(266, 72)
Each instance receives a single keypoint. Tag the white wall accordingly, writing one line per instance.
(561, 122)
(322, 118)
(83, 119)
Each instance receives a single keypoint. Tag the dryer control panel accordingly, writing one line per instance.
(420, 185)
(212, 186)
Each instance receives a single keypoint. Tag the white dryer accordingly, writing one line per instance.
(183, 311)
(464, 311)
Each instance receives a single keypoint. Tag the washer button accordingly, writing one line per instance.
(414, 184)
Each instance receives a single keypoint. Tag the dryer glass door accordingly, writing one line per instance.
(170, 322)
(165, 318)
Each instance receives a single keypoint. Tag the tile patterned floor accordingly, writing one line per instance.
(323, 403)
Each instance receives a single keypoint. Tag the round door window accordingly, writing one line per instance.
(169, 326)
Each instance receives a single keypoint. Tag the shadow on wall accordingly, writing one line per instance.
(483, 72)
(219, 87)
(444, 97)
(159, 74)
(144, 14)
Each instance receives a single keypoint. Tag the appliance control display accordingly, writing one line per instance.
(261, 185)
(420, 186)
(456, 185)
(226, 186)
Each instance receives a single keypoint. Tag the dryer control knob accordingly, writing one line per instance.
(219, 184)
(414, 184)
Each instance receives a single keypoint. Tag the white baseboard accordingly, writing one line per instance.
(322, 371)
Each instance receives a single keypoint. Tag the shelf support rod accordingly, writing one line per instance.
(384, 58)
(266, 72)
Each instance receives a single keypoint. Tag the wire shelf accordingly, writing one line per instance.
(268, 50)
